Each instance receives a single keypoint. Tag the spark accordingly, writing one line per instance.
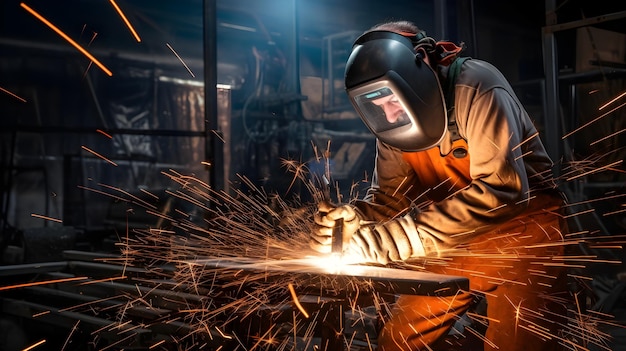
(523, 155)
(369, 343)
(591, 210)
(482, 337)
(102, 193)
(296, 301)
(37, 344)
(157, 344)
(14, 95)
(93, 37)
(493, 143)
(126, 21)
(149, 193)
(593, 121)
(595, 200)
(119, 342)
(67, 38)
(498, 280)
(69, 337)
(104, 133)
(525, 141)
(607, 137)
(46, 218)
(108, 279)
(599, 169)
(222, 334)
(499, 207)
(580, 277)
(270, 340)
(88, 303)
(41, 314)
(181, 61)
(612, 101)
(98, 155)
(217, 134)
(614, 212)
(298, 169)
(399, 186)
(45, 282)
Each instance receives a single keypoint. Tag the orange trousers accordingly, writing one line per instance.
(517, 267)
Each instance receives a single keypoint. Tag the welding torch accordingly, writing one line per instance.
(340, 227)
(337, 240)
(337, 233)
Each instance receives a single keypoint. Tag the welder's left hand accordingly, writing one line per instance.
(326, 219)
(394, 240)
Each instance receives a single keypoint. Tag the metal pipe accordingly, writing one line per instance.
(213, 145)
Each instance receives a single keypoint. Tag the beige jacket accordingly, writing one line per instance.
(508, 167)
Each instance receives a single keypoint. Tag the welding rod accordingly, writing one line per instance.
(337, 240)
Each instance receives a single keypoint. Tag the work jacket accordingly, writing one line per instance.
(461, 188)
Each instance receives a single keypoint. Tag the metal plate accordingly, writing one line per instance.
(383, 279)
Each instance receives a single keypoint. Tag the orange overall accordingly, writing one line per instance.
(513, 266)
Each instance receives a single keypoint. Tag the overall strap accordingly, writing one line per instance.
(449, 84)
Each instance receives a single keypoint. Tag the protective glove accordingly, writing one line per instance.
(325, 220)
(394, 240)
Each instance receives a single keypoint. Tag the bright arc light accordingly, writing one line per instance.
(338, 264)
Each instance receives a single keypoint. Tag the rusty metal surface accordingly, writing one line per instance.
(394, 280)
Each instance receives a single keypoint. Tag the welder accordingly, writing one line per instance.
(462, 184)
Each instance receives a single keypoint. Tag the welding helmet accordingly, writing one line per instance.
(396, 94)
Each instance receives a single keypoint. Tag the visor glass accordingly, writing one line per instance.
(382, 109)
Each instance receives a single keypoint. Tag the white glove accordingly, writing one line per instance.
(325, 220)
(395, 240)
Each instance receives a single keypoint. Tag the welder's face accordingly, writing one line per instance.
(392, 108)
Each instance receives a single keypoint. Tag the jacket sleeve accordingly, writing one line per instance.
(499, 188)
(392, 182)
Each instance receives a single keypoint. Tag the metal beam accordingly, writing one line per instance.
(584, 22)
(552, 119)
(214, 147)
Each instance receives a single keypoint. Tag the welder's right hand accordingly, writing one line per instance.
(325, 220)
(397, 239)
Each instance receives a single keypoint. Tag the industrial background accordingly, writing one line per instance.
(231, 91)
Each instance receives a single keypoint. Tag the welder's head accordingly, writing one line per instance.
(395, 92)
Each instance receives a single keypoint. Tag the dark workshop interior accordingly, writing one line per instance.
(107, 122)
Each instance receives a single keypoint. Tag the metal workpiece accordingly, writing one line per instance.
(381, 279)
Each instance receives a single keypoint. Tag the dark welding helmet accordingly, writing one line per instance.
(395, 92)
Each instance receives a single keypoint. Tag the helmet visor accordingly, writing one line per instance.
(382, 109)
